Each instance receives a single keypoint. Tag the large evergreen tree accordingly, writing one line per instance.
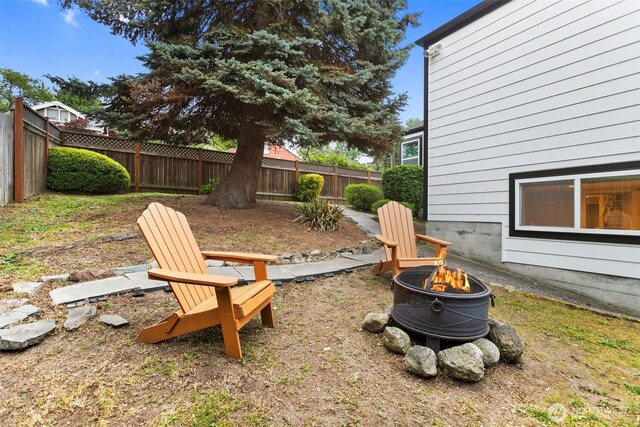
(259, 71)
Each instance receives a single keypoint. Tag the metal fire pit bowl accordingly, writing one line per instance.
(441, 315)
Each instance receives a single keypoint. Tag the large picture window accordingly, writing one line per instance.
(591, 203)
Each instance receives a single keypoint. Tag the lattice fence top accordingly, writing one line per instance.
(217, 156)
(355, 173)
(315, 168)
(169, 150)
(268, 162)
(97, 141)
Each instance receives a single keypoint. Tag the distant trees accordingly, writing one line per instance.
(14, 84)
(335, 154)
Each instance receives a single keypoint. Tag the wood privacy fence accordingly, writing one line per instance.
(25, 139)
(159, 167)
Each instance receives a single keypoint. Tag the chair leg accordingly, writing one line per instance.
(228, 323)
(267, 316)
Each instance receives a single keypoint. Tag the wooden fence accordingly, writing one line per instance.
(159, 167)
(25, 139)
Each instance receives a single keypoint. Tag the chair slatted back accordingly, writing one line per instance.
(396, 223)
(174, 247)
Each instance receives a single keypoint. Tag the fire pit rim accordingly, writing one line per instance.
(486, 290)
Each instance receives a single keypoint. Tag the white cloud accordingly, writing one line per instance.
(69, 17)
(42, 2)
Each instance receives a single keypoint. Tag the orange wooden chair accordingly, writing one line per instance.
(205, 299)
(399, 240)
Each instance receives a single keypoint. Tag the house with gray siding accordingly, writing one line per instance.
(532, 141)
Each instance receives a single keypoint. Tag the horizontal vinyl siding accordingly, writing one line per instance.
(534, 85)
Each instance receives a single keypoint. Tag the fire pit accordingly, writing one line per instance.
(441, 303)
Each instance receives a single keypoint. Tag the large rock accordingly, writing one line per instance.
(297, 258)
(17, 314)
(78, 316)
(421, 361)
(462, 362)
(490, 352)
(9, 304)
(375, 322)
(27, 287)
(507, 341)
(113, 320)
(23, 336)
(396, 340)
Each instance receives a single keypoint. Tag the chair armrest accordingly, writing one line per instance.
(385, 241)
(238, 257)
(191, 278)
(432, 240)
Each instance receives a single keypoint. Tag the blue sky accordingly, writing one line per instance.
(37, 38)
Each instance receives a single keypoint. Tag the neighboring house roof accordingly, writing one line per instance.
(275, 152)
(461, 21)
(59, 105)
(413, 129)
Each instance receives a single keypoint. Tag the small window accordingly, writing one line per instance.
(52, 113)
(594, 203)
(410, 152)
(64, 116)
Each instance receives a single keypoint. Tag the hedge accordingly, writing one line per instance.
(74, 169)
(377, 205)
(404, 183)
(309, 187)
(362, 196)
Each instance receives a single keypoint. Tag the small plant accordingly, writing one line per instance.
(309, 187)
(319, 215)
(210, 186)
(73, 169)
(362, 196)
(380, 203)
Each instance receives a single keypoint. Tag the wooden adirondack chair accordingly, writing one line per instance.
(399, 240)
(205, 299)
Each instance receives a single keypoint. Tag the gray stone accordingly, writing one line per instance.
(78, 316)
(396, 340)
(23, 336)
(507, 341)
(346, 253)
(8, 304)
(80, 291)
(213, 263)
(375, 322)
(88, 275)
(367, 249)
(27, 287)
(141, 279)
(153, 264)
(490, 352)
(462, 362)
(17, 314)
(421, 361)
(316, 268)
(285, 256)
(121, 271)
(114, 320)
(297, 258)
(55, 278)
(315, 252)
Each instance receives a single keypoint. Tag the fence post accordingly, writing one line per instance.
(199, 169)
(297, 171)
(368, 177)
(137, 167)
(18, 152)
(335, 183)
(46, 145)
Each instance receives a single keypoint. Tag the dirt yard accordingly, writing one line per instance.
(317, 367)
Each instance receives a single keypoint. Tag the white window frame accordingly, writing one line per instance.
(577, 181)
(417, 140)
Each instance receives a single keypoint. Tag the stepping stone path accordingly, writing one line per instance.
(17, 314)
(113, 320)
(8, 304)
(78, 316)
(23, 336)
(27, 287)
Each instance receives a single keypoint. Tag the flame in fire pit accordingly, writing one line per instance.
(445, 279)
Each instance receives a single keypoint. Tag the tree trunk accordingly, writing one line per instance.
(237, 190)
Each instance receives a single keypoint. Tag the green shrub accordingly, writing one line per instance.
(73, 169)
(376, 205)
(362, 196)
(309, 187)
(319, 215)
(404, 183)
(210, 186)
